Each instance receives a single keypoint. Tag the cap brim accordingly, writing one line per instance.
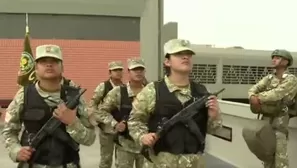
(49, 56)
(136, 66)
(180, 49)
(116, 67)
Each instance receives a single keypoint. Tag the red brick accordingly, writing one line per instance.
(85, 61)
(2, 115)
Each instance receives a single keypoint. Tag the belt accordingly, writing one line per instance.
(68, 165)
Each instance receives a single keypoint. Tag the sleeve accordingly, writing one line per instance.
(214, 124)
(110, 102)
(259, 87)
(143, 106)
(97, 97)
(288, 87)
(82, 131)
(13, 125)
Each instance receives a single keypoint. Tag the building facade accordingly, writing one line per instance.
(91, 34)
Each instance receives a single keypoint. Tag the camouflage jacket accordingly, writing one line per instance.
(96, 100)
(144, 104)
(98, 96)
(271, 90)
(81, 130)
(111, 101)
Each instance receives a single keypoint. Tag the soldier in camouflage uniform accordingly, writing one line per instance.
(178, 148)
(34, 104)
(105, 133)
(280, 86)
(121, 98)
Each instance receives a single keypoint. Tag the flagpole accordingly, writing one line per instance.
(27, 23)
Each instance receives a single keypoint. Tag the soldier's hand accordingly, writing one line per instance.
(213, 106)
(120, 127)
(25, 154)
(92, 119)
(149, 139)
(65, 115)
(255, 102)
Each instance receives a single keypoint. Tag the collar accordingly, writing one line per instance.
(130, 91)
(173, 88)
(112, 84)
(47, 95)
(285, 74)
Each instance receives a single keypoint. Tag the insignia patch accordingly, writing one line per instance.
(32, 76)
(27, 62)
(184, 43)
(48, 49)
(275, 52)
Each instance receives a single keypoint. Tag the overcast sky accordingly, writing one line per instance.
(253, 24)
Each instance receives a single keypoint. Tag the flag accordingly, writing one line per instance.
(26, 73)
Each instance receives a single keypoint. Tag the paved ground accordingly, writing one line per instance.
(90, 158)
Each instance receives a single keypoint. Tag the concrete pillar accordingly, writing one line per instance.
(150, 37)
(169, 31)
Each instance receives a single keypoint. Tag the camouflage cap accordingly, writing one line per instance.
(283, 53)
(177, 45)
(135, 63)
(49, 50)
(115, 65)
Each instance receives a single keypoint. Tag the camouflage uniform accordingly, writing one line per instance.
(270, 90)
(81, 130)
(105, 136)
(128, 153)
(143, 107)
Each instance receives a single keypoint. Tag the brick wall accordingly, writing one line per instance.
(85, 61)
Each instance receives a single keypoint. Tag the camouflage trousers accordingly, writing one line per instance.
(107, 147)
(125, 159)
(70, 165)
(281, 155)
(168, 160)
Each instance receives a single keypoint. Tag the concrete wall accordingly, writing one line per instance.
(82, 27)
(130, 8)
(72, 19)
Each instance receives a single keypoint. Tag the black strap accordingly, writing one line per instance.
(197, 89)
(26, 90)
(66, 81)
(157, 86)
(107, 88)
(126, 101)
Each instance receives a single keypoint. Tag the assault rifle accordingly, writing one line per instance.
(51, 127)
(125, 133)
(185, 114)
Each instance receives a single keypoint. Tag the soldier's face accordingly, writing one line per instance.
(48, 68)
(137, 74)
(180, 62)
(116, 74)
(278, 61)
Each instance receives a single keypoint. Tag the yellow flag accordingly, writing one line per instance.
(26, 74)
